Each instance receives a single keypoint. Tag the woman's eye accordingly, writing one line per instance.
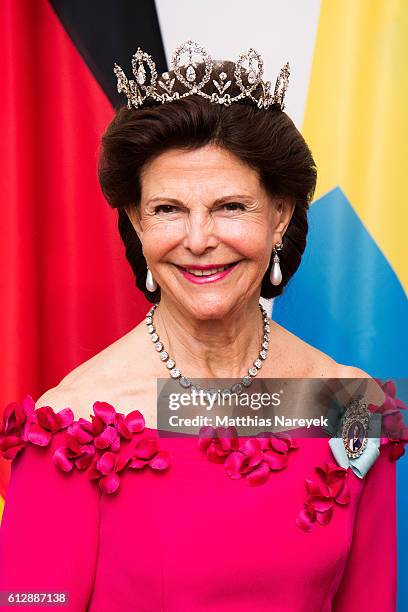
(169, 208)
(166, 208)
(233, 206)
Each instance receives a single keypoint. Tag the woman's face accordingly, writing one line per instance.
(202, 210)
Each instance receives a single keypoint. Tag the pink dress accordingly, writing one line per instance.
(119, 518)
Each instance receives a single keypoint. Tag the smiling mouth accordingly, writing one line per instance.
(204, 271)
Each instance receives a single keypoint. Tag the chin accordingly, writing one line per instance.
(209, 309)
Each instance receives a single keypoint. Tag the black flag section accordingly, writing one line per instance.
(108, 31)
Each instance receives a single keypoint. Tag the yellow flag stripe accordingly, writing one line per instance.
(356, 119)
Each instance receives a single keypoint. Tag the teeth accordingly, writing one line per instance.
(206, 272)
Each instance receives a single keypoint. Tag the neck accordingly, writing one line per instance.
(213, 348)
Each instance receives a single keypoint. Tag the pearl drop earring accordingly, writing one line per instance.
(151, 284)
(276, 273)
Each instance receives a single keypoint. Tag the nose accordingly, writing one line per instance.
(199, 232)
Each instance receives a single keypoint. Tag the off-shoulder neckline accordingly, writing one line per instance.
(109, 441)
(93, 415)
(154, 430)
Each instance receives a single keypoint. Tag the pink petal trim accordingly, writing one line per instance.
(103, 446)
(323, 495)
(254, 458)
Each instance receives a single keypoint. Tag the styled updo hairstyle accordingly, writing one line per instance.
(266, 140)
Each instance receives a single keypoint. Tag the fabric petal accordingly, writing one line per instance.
(28, 405)
(276, 461)
(72, 443)
(215, 454)
(135, 421)
(306, 518)
(219, 450)
(106, 463)
(321, 503)
(146, 448)
(106, 412)
(115, 446)
(110, 483)
(81, 435)
(224, 445)
(334, 471)
(204, 443)
(106, 438)
(392, 423)
(137, 463)
(47, 419)
(278, 444)
(233, 464)
(122, 459)
(303, 521)
(61, 460)
(39, 436)
(389, 388)
(316, 489)
(160, 461)
(250, 447)
(206, 436)
(255, 460)
(13, 419)
(96, 427)
(225, 437)
(264, 442)
(10, 446)
(259, 475)
(343, 496)
(396, 451)
(290, 441)
(121, 426)
(65, 417)
(92, 472)
(85, 459)
(336, 487)
(324, 517)
(233, 437)
(88, 426)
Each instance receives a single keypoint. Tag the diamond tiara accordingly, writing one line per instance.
(248, 73)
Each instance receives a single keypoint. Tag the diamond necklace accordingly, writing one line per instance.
(185, 382)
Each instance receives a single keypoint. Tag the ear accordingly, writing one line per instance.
(133, 214)
(285, 208)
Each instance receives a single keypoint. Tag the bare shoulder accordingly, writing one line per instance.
(104, 366)
(304, 360)
(60, 397)
(293, 357)
(372, 391)
(112, 375)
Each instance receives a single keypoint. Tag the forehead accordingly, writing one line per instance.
(207, 169)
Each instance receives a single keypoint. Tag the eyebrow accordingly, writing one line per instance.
(217, 201)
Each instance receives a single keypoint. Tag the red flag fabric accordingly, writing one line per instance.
(66, 288)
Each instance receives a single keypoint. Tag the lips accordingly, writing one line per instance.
(207, 274)
(204, 271)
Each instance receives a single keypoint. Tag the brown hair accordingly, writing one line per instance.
(266, 140)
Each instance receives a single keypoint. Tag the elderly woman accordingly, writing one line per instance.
(212, 182)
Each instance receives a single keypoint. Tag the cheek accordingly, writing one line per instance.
(250, 239)
(159, 238)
